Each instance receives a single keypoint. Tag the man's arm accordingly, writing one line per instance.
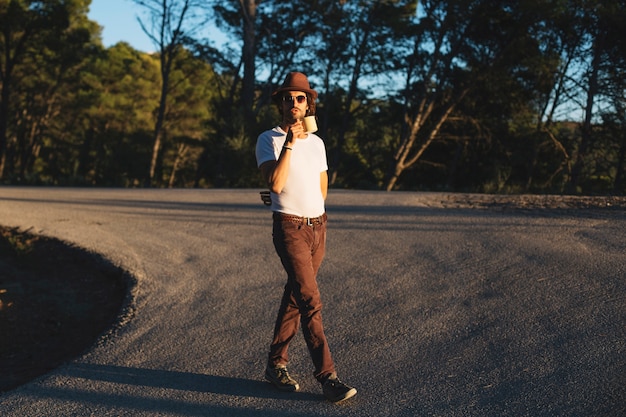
(324, 183)
(275, 172)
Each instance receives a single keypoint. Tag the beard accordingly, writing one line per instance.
(293, 117)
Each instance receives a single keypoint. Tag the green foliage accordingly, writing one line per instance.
(453, 95)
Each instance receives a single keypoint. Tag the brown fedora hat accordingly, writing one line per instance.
(296, 81)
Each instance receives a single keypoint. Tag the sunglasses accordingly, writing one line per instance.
(299, 99)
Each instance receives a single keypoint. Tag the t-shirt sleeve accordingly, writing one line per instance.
(323, 159)
(264, 149)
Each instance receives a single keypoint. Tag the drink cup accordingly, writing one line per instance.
(310, 124)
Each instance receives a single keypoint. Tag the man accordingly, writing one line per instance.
(293, 162)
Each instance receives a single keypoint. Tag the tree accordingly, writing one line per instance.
(601, 25)
(188, 115)
(340, 46)
(110, 112)
(54, 37)
(171, 23)
(452, 47)
(472, 95)
(356, 40)
(18, 23)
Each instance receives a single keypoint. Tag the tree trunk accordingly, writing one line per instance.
(168, 38)
(361, 52)
(621, 162)
(587, 128)
(180, 154)
(4, 115)
(158, 126)
(402, 159)
(248, 10)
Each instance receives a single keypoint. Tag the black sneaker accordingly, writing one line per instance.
(281, 379)
(336, 391)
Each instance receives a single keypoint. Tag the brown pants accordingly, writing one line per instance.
(301, 249)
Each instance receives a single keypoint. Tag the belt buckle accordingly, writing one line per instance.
(308, 221)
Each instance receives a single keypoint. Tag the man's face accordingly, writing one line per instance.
(294, 106)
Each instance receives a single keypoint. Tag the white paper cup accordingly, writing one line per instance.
(310, 124)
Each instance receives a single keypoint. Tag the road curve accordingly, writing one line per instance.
(430, 311)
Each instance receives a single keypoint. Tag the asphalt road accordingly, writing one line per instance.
(429, 311)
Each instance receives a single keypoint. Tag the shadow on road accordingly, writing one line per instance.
(238, 388)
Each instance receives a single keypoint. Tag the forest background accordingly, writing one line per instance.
(482, 96)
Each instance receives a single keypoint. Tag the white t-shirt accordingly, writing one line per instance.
(301, 195)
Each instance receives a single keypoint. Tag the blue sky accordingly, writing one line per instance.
(118, 19)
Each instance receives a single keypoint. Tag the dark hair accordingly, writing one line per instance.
(310, 101)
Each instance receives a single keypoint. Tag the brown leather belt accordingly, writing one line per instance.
(309, 221)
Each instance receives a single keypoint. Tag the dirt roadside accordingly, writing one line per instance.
(56, 301)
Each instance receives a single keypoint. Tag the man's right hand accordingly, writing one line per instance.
(266, 198)
(297, 131)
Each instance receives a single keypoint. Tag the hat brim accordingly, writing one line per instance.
(306, 90)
